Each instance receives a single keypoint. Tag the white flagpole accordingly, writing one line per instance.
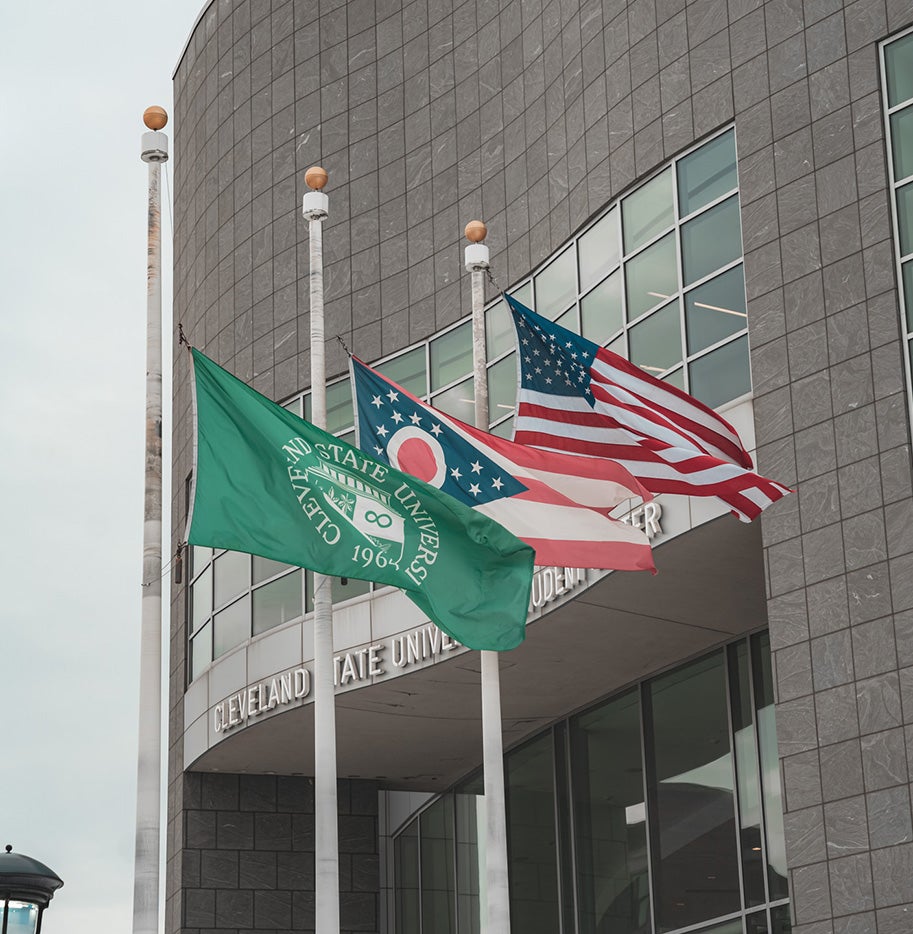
(326, 838)
(149, 758)
(476, 258)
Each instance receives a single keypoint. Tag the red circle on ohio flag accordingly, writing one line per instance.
(417, 453)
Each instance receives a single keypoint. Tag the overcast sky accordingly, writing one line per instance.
(75, 80)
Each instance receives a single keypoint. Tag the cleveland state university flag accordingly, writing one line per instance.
(271, 484)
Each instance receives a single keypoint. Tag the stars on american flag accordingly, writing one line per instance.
(557, 362)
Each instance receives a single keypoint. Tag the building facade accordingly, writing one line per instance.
(721, 190)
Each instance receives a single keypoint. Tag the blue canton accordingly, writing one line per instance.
(471, 477)
(553, 360)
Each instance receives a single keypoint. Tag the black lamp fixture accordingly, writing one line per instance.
(26, 887)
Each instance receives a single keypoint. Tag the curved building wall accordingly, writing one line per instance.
(534, 116)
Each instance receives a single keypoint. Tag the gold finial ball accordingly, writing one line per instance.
(476, 231)
(316, 177)
(155, 117)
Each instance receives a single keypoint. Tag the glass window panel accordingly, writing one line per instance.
(707, 173)
(524, 294)
(470, 828)
(451, 355)
(651, 277)
(770, 767)
(232, 575)
(504, 429)
(458, 401)
(231, 627)
(21, 917)
(905, 218)
(619, 346)
(502, 388)
(569, 319)
(600, 311)
(780, 921)
(756, 923)
(598, 249)
(199, 557)
(563, 819)
(722, 374)
(201, 600)
(351, 588)
(656, 342)
(907, 271)
(264, 568)
(711, 240)
(696, 875)
(200, 650)
(733, 926)
(899, 69)
(438, 895)
(306, 402)
(531, 838)
(715, 310)
(610, 818)
(277, 602)
(902, 142)
(339, 406)
(676, 378)
(556, 285)
(405, 863)
(348, 437)
(308, 591)
(408, 370)
(648, 211)
(294, 406)
(500, 335)
(747, 774)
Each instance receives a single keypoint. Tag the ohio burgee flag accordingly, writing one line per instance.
(271, 484)
(558, 503)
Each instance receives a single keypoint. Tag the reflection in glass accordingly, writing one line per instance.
(199, 556)
(294, 406)
(504, 429)
(598, 249)
(451, 355)
(756, 923)
(905, 218)
(556, 285)
(339, 406)
(277, 602)
(524, 294)
(502, 388)
(264, 568)
(707, 173)
(733, 926)
(201, 650)
(648, 211)
(676, 377)
(746, 768)
(695, 862)
(600, 310)
(408, 370)
(531, 838)
(21, 918)
(651, 277)
(405, 865)
(722, 374)
(232, 575)
(780, 920)
(201, 600)
(231, 627)
(711, 240)
(770, 767)
(899, 70)
(902, 142)
(715, 310)
(470, 829)
(458, 401)
(438, 897)
(569, 319)
(499, 330)
(610, 819)
(656, 342)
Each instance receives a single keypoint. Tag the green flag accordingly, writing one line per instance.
(271, 484)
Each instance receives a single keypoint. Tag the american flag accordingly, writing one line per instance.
(558, 503)
(580, 398)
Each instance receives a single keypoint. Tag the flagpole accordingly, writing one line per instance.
(149, 757)
(496, 871)
(326, 838)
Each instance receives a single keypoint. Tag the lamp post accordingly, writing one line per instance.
(26, 887)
